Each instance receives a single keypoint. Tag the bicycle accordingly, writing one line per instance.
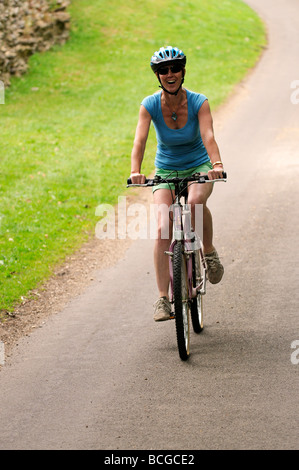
(187, 265)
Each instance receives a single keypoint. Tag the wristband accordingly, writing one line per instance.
(217, 163)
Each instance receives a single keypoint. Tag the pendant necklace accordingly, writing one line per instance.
(174, 115)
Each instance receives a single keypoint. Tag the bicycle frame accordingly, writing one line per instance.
(187, 265)
(182, 231)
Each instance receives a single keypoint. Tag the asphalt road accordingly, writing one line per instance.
(102, 375)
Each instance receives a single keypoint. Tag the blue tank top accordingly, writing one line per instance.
(178, 149)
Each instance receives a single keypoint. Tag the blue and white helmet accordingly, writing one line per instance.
(167, 55)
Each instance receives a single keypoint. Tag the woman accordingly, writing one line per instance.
(186, 144)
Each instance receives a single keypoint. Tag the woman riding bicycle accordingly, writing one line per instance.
(186, 144)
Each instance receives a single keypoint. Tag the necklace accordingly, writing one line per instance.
(174, 115)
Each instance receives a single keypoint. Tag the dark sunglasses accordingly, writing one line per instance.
(174, 69)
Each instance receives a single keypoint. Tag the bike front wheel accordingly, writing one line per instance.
(197, 304)
(181, 300)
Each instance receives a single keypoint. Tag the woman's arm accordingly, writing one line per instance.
(207, 134)
(140, 140)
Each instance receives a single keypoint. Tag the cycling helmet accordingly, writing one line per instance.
(168, 55)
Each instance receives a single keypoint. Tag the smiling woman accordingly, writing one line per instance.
(185, 145)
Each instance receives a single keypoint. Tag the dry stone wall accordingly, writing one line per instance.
(26, 27)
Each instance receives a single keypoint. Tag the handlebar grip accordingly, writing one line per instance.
(129, 181)
(224, 174)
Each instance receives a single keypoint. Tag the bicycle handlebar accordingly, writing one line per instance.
(196, 178)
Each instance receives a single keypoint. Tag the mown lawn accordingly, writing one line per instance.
(68, 125)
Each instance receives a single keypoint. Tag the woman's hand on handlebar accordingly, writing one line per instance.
(137, 178)
(216, 173)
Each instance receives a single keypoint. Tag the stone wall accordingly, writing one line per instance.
(26, 27)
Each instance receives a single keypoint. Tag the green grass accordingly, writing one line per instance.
(67, 126)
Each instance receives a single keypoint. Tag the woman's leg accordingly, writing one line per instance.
(199, 194)
(163, 200)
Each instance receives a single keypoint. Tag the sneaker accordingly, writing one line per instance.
(215, 268)
(162, 309)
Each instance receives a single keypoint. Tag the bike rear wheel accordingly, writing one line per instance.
(181, 300)
(197, 304)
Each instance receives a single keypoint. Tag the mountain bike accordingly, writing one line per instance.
(187, 265)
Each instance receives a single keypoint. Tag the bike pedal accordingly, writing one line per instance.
(171, 317)
(170, 253)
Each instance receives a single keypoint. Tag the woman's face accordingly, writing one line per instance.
(171, 77)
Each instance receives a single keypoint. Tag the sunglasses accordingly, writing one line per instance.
(174, 69)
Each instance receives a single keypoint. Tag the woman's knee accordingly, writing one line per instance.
(193, 201)
(164, 230)
(199, 194)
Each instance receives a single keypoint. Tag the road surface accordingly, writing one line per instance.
(102, 375)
